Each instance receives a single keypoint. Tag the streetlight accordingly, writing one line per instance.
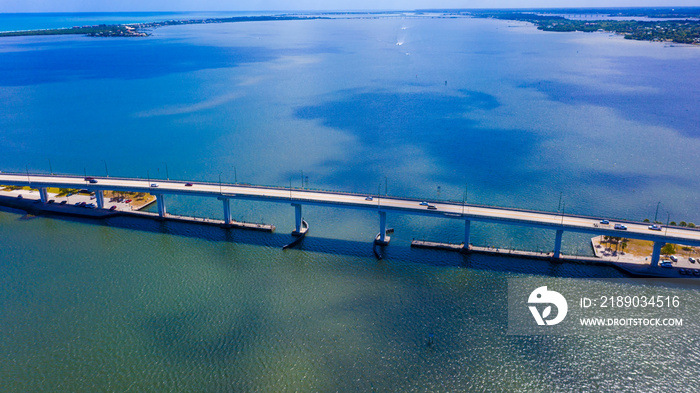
(50, 168)
(386, 185)
(560, 195)
(464, 200)
(220, 191)
(148, 175)
(563, 207)
(235, 175)
(167, 177)
(302, 179)
(106, 171)
(27, 169)
(657, 211)
(668, 220)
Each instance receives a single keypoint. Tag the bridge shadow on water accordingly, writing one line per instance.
(350, 248)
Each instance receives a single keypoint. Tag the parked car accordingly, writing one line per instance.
(114, 207)
(620, 227)
(673, 258)
(666, 264)
(51, 201)
(691, 259)
(64, 202)
(606, 222)
(655, 227)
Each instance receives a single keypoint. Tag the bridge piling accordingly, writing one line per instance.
(227, 210)
(467, 234)
(297, 219)
(100, 198)
(382, 239)
(656, 252)
(557, 244)
(161, 205)
(43, 194)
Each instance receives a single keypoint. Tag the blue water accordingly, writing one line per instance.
(419, 107)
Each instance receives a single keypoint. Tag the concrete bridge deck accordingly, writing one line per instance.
(300, 197)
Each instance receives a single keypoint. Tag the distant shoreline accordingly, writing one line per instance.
(684, 30)
(143, 29)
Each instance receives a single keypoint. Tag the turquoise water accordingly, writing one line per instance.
(517, 115)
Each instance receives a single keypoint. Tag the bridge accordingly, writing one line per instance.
(298, 198)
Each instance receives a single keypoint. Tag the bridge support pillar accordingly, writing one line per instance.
(43, 194)
(382, 239)
(227, 210)
(656, 253)
(557, 244)
(467, 230)
(297, 219)
(161, 205)
(100, 198)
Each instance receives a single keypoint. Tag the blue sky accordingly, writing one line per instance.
(227, 5)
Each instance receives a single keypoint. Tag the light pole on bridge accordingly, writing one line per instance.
(563, 207)
(560, 196)
(466, 194)
(657, 212)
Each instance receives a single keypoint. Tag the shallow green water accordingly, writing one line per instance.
(98, 307)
